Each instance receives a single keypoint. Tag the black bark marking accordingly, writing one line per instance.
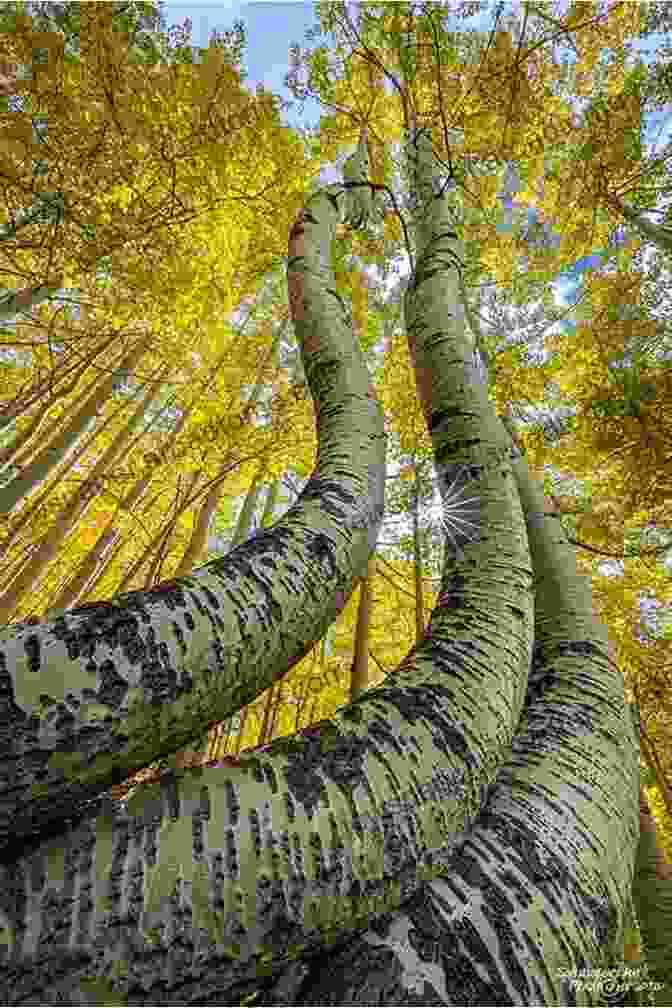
(375, 974)
(232, 803)
(232, 866)
(443, 453)
(337, 757)
(431, 703)
(337, 502)
(354, 712)
(271, 779)
(322, 551)
(168, 785)
(386, 735)
(453, 591)
(442, 417)
(255, 830)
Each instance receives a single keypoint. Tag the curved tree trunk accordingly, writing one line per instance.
(460, 835)
(325, 540)
(345, 504)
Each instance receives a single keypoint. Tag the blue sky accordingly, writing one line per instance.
(271, 28)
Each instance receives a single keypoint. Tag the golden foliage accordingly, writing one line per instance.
(188, 240)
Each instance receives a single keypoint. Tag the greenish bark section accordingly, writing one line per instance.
(574, 771)
(270, 504)
(653, 902)
(540, 888)
(486, 592)
(247, 511)
(535, 901)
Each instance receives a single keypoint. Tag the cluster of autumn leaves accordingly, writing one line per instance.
(164, 387)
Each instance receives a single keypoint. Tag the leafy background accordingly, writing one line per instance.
(159, 202)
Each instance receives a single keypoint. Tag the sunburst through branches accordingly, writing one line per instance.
(461, 510)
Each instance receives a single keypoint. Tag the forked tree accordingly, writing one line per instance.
(464, 833)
